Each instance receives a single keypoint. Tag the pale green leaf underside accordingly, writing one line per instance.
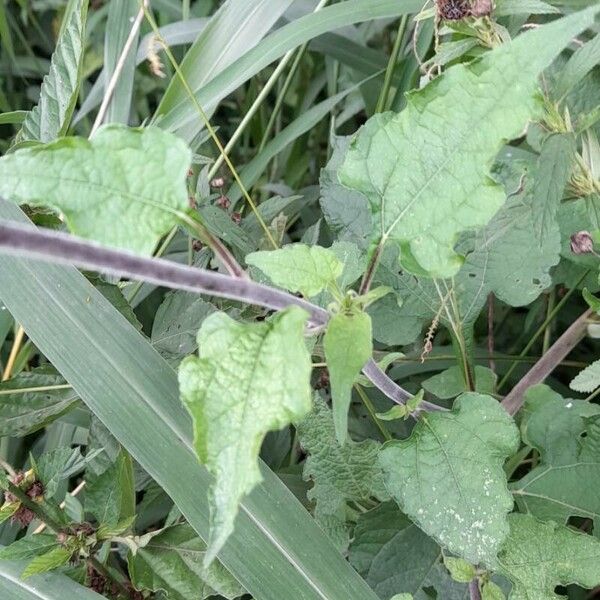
(124, 187)
(425, 171)
(538, 556)
(172, 561)
(299, 268)
(51, 117)
(588, 379)
(249, 379)
(339, 473)
(448, 476)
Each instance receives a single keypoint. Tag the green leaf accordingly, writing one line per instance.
(538, 556)
(451, 382)
(390, 552)
(340, 473)
(299, 268)
(491, 591)
(582, 61)
(172, 561)
(460, 570)
(587, 380)
(248, 379)
(402, 597)
(108, 361)
(124, 187)
(8, 509)
(60, 464)
(523, 7)
(452, 129)
(57, 557)
(111, 497)
(29, 547)
(348, 346)
(432, 478)
(567, 435)
(50, 119)
(32, 400)
(592, 301)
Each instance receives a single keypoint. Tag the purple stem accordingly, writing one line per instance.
(543, 367)
(474, 593)
(61, 248)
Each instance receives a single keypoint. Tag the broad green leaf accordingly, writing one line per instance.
(460, 570)
(124, 187)
(392, 553)
(111, 497)
(172, 561)
(348, 346)
(59, 464)
(51, 117)
(450, 132)
(523, 7)
(567, 435)
(432, 476)
(538, 556)
(582, 61)
(402, 597)
(299, 268)
(451, 382)
(57, 557)
(247, 380)
(29, 547)
(32, 400)
(587, 380)
(177, 321)
(340, 473)
(108, 361)
(491, 591)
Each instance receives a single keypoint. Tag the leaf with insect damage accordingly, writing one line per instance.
(124, 187)
(448, 476)
(425, 171)
(247, 380)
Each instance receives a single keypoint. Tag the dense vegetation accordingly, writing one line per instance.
(310, 309)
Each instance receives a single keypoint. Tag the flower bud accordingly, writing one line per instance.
(582, 243)
(217, 182)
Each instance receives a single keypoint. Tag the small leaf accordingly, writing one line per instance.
(538, 556)
(399, 411)
(124, 187)
(432, 476)
(248, 379)
(588, 379)
(592, 301)
(451, 382)
(299, 268)
(425, 171)
(51, 117)
(172, 561)
(57, 557)
(8, 509)
(460, 570)
(348, 345)
(491, 591)
(111, 497)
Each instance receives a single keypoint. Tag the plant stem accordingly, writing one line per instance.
(557, 352)
(61, 248)
(371, 409)
(490, 339)
(548, 330)
(14, 352)
(474, 593)
(382, 102)
(542, 328)
(100, 568)
(34, 507)
(367, 279)
(32, 390)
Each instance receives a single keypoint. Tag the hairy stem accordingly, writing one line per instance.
(555, 355)
(474, 593)
(65, 249)
(35, 507)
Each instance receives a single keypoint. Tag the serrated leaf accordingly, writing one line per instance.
(538, 556)
(51, 117)
(348, 345)
(124, 187)
(111, 497)
(383, 539)
(451, 382)
(248, 379)
(29, 547)
(299, 268)
(432, 476)
(460, 570)
(567, 435)
(172, 561)
(23, 409)
(587, 380)
(340, 473)
(425, 170)
(57, 557)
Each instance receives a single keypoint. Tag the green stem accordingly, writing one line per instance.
(37, 508)
(541, 329)
(371, 409)
(548, 331)
(382, 102)
(108, 574)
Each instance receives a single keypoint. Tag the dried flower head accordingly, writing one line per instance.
(154, 63)
(482, 8)
(453, 10)
(582, 243)
(217, 182)
(223, 202)
(236, 217)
